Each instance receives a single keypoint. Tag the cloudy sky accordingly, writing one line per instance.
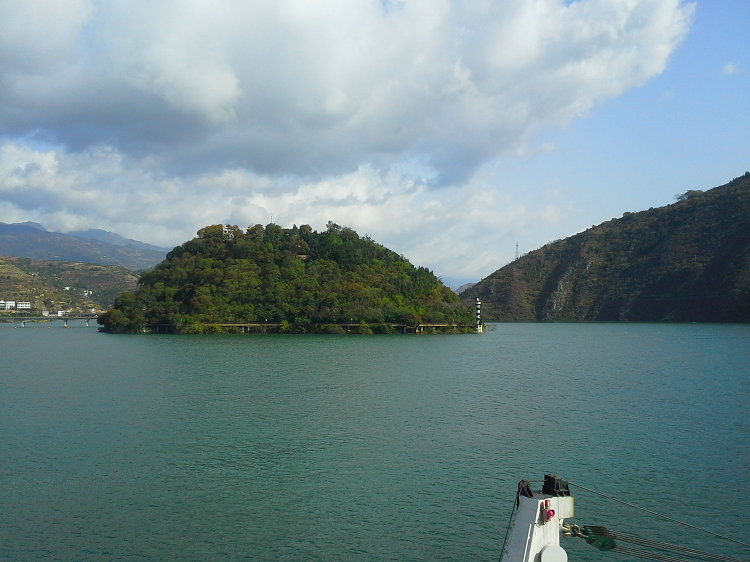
(447, 130)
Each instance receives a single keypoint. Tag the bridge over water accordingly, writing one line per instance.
(86, 318)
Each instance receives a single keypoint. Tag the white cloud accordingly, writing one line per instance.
(156, 118)
(321, 88)
(730, 68)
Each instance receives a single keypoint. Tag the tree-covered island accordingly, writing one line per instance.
(288, 280)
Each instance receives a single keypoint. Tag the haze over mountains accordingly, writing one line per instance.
(32, 240)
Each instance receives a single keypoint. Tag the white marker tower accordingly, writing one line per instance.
(480, 328)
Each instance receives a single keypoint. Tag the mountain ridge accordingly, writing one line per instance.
(688, 261)
(114, 239)
(32, 240)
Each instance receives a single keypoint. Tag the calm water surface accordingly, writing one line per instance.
(365, 448)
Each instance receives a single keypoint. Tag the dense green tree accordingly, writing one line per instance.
(127, 315)
(298, 278)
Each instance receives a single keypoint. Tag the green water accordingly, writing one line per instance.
(364, 447)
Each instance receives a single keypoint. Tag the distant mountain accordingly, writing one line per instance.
(465, 287)
(32, 225)
(32, 240)
(114, 239)
(686, 262)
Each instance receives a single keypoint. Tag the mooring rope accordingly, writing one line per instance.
(589, 533)
(635, 539)
(507, 530)
(672, 519)
(523, 488)
(644, 554)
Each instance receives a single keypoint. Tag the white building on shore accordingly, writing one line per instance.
(15, 305)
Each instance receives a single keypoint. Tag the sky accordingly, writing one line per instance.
(458, 134)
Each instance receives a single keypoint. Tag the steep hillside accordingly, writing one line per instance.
(31, 240)
(56, 285)
(689, 261)
(298, 279)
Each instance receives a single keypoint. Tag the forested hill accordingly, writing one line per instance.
(297, 279)
(689, 261)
